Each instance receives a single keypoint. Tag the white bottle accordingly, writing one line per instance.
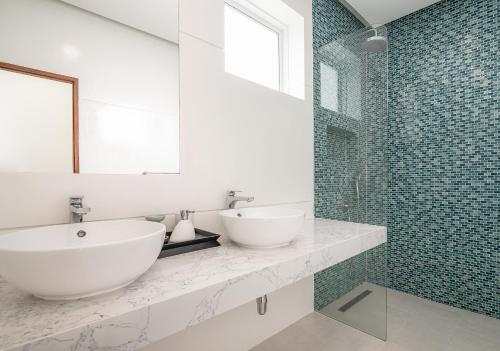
(184, 230)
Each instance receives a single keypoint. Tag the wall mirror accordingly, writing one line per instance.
(89, 86)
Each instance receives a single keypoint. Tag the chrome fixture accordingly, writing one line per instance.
(81, 233)
(262, 305)
(232, 199)
(76, 209)
(185, 214)
(345, 209)
(357, 179)
(376, 42)
(344, 206)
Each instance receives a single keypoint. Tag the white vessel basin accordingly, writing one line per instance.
(262, 227)
(54, 263)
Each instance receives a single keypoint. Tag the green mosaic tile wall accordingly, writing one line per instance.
(331, 20)
(444, 154)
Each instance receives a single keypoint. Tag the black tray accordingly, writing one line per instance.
(202, 240)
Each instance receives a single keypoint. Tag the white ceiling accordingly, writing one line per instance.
(157, 17)
(385, 11)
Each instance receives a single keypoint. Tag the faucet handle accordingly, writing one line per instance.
(75, 199)
(233, 192)
(80, 210)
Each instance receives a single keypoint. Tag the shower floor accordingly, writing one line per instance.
(413, 324)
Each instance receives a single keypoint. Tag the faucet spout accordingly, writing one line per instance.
(76, 209)
(232, 199)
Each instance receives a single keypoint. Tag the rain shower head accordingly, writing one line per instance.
(375, 43)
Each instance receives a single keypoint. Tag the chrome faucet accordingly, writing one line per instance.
(76, 209)
(232, 199)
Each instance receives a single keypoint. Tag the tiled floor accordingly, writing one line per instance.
(414, 324)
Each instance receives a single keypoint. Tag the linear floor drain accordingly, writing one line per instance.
(354, 301)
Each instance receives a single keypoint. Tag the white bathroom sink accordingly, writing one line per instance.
(55, 263)
(262, 227)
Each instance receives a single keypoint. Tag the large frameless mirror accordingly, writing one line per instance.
(89, 86)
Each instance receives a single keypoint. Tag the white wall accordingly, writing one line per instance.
(234, 135)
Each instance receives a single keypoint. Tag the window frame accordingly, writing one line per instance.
(266, 20)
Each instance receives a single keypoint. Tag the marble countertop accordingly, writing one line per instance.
(177, 292)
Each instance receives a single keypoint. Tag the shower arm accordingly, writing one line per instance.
(372, 29)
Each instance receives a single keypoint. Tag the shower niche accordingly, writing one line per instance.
(344, 174)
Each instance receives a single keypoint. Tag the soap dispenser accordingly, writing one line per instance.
(184, 230)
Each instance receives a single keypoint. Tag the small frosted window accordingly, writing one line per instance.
(252, 50)
(329, 87)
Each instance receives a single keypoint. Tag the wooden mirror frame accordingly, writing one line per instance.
(61, 78)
